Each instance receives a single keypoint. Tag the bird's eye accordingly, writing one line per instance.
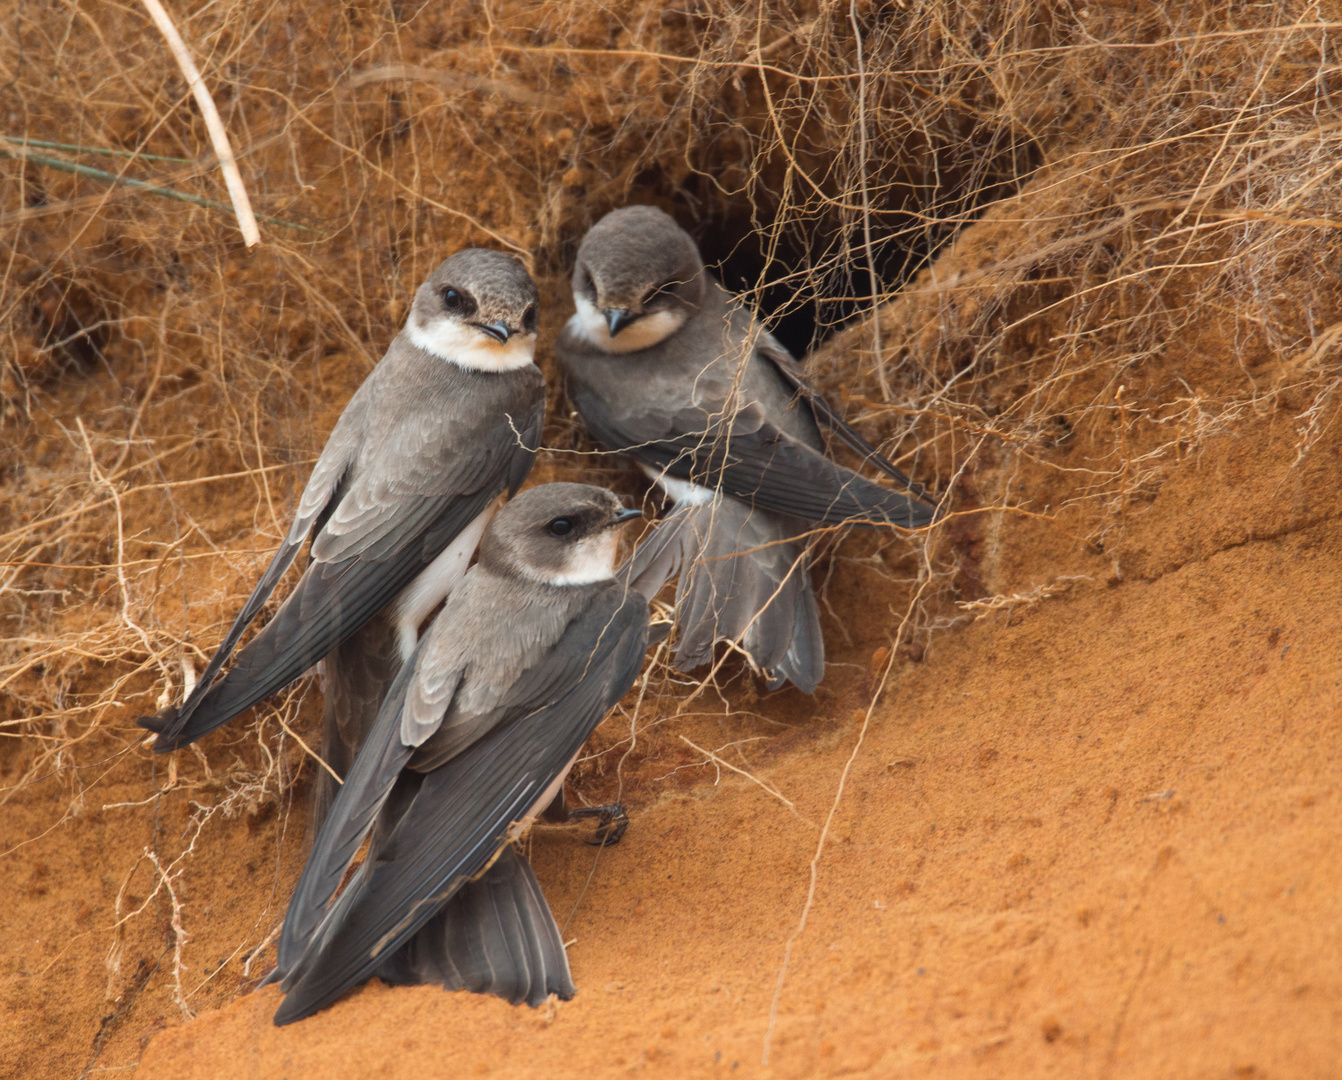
(453, 300)
(560, 527)
(530, 318)
(585, 283)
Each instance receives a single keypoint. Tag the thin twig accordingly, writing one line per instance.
(754, 779)
(99, 477)
(875, 321)
(829, 819)
(223, 149)
(309, 751)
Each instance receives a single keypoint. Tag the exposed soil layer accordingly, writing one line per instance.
(1096, 838)
(1092, 836)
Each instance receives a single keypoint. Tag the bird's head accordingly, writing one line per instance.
(638, 277)
(558, 534)
(480, 309)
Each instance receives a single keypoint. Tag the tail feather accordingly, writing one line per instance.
(741, 579)
(307, 626)
(495, 936)
(804, 664)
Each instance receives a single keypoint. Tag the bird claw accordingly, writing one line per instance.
(611, 822)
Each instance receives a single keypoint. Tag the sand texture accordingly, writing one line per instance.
(1067, 802)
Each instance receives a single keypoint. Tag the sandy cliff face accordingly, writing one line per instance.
(1066, 802)
(1095, 838)
(1088, 834)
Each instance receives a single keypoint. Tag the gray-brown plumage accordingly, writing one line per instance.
(666, 366)
(496, 934)
(356, 676)
(528, 654)
(447, 422)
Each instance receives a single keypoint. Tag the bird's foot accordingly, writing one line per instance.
(611, 822)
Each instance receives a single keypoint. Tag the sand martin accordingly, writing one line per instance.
(666, 366)
(476, 735)
(446, 423)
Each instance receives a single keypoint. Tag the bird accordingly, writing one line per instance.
(667, 367)
(473, 740)
(446, 424)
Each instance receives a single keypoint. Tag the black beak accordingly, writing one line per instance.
(618, 318)
(624, 514)
(497, 330)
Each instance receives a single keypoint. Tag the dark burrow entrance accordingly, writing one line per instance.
(811, 276)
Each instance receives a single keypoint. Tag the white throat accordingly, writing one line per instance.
(469, 347)
(589, 324)
(594, 560)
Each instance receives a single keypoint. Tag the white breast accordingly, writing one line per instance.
(592, 560)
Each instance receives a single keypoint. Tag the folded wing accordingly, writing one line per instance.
(448, 825)
(751, 459)
(782, 362)
(377, 534)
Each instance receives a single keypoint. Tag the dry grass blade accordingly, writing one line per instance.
(711, 756)
(392, 72)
